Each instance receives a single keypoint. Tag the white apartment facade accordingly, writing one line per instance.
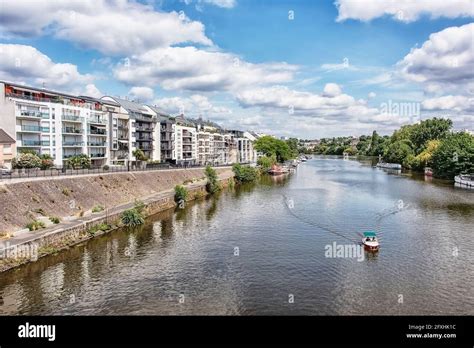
(52, 123)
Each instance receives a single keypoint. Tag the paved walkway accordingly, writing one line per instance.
(29, 236)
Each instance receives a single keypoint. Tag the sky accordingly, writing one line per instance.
(301, 68)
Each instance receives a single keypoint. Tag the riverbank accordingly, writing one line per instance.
(27, 246)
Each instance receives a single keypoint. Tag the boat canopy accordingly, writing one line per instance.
(369, 234)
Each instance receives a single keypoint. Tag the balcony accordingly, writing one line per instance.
(72, 130)
(32, 114)
(69, 155)
(72, 118)
(96, 144)
(33, 129)
(73, 143)
(144, 129)
(100, 132)
(145, 139)
(34, 143)
(97, 155)
(97, 121)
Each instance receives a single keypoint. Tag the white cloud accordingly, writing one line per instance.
(143, 94)
(21, 63)
(92, 91)
(189, 68)
(195, 105)
(332, 89)
(403, 10)
(457, 103)
(445, 61)
(111, 27)
(371, 95)
(221, 3)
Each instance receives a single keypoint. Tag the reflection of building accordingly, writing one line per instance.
(7, 149)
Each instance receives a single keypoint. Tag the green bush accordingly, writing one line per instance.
(180, 194)
(139, 155)
(100, 227)
(79, 161)
(105, 167)
(244, 173)
(132, 217)
(35, 225)
(266, 162)
(212, 185)
(54, 219)
(27, 161)
(98, 208)
(46, 161)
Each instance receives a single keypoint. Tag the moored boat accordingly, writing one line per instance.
(465, 180)
(370, 241)
(278, 170)
(389, 165)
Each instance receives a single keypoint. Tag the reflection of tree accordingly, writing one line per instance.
(211, 211)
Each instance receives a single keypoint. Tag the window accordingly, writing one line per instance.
(7, 150)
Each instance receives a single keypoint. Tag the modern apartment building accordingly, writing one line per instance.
(243, 141)
(167, 134)
(144, 134)
(185, 141)
(54, 123)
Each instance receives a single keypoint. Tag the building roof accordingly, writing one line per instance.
(131, 106)
(39, 90)
(5, 138)
(98, 100)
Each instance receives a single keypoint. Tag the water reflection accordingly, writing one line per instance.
(426, 252)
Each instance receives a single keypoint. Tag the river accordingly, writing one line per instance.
(262, 249)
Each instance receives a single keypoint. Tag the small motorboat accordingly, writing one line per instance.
(428, 171)
(464, 180)
(370, 241)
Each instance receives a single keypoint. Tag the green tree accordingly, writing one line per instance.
(453, 156)
(139, 155)
(271, 146)
(266, 162)
(212, 184)
(398, 151)
(79, 161)
(431, 129)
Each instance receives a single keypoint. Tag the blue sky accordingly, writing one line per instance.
(295, 68)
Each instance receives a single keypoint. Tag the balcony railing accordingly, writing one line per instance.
(72, 130)
(97, 121)
(144, 129)
(73, 143)
(98, 131)
(34, 143)
(34, 129)
(72, 118)
(101, 144)
(97, 155)
(34, 113)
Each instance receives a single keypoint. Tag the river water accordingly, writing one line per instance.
(263, 249)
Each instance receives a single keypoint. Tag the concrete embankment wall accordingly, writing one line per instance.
(23, 249)
(23, 202)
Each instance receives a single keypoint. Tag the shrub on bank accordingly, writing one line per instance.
(244, 173)
(180, 194)
(134, 216)
(212, 185)
(35, 225)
